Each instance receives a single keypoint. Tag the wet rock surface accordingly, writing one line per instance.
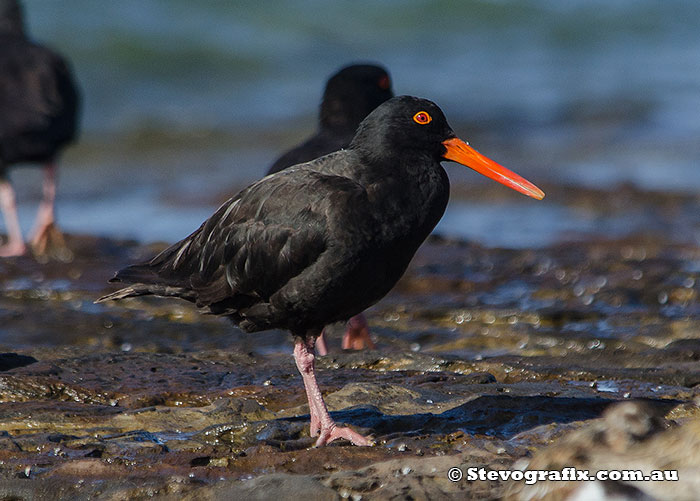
(582, 354)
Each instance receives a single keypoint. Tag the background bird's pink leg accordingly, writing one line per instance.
(356, 336)
(321, 346)
(329, 431)
(15, 244)
(46, 237)
(45, 217)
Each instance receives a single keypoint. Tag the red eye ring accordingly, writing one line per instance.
(422, 118)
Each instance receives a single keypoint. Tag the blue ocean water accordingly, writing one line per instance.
(184, 102)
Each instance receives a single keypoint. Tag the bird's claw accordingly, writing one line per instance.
(13, 249)
(335, 432)
(48, 240)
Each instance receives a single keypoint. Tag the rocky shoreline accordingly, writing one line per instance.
(575, 355)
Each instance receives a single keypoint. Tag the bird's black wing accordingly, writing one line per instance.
(254, 259)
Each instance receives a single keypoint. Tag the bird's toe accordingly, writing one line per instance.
(13, 249)
(334, 432)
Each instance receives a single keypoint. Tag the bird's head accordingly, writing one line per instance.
(409, 126)
(352, 93)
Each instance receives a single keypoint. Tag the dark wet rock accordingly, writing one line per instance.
(24, 490)
(12, 360)
(419, 479)
(121, 378)
(79, 489)
(275, 486)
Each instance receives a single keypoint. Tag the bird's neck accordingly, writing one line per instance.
(338, 126)
(340, 117)
(412, 191)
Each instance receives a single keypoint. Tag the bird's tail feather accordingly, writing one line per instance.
(144, 281)
(137, 273)
(135, 290)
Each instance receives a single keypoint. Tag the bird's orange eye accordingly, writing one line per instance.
(422, 117)
(384, 82)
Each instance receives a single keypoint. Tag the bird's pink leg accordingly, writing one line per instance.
(302, 361)
(320, 418)
(315, 426)
(44, 227)
(321, 346)
(356, 336)
(15, 243)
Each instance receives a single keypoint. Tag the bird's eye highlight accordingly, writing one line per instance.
(422, 117)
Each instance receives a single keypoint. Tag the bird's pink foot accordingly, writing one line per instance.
(13, 249)
(323, 427)
(46, 238)
(49, 240)
(321, 422)
(334, 432)
(315, 426)
(357, 334)
(42, 235)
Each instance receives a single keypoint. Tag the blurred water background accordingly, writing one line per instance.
(186, 102)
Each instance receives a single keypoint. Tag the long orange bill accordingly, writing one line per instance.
(460, 152)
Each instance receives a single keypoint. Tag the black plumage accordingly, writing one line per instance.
(39, 104)
(321, 241)
(350, 95)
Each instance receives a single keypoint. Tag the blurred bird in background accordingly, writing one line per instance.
(39, 105)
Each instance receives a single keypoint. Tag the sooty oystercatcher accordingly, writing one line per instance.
(350, 95)
(38, 117)
(319, 242)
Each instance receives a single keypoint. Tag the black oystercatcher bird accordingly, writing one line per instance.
(320, 242)
(350, 95)
(38, 117)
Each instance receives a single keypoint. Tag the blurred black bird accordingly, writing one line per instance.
(321, 241)
(38, 117)
(350, 95)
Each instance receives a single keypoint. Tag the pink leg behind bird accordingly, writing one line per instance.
(356, 336)
(321, 346)
(45, 224)
(15, 243)
(321, 420)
